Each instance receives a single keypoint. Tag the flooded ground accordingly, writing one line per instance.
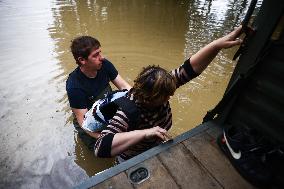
(38, 142)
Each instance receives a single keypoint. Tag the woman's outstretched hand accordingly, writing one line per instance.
(230, 39)
(200, 60)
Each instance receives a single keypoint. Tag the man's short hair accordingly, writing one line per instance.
(82, 47)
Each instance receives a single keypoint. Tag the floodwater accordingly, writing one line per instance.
(39, 146)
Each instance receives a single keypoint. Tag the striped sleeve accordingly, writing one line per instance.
(184, 73)
(118, 124)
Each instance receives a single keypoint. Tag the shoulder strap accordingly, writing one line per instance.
(130, 109)
(109, 108)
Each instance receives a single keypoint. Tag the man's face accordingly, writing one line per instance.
(95, 59)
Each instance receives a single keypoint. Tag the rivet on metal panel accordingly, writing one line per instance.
(139, 175)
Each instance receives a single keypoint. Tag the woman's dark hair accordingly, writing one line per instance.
(153, 83)
(82, 47)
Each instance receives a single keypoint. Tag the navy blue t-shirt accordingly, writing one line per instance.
(80, 89)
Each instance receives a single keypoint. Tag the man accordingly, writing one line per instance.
(90, 81)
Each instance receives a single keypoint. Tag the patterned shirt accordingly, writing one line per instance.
(160, 116)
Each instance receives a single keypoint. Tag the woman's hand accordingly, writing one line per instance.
(200, 60)
(155, 132)
(230, 39)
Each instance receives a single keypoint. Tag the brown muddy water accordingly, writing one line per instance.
(39, 146)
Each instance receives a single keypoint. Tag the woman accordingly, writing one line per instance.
(151, 92)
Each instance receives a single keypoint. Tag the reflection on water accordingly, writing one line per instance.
(36, 133)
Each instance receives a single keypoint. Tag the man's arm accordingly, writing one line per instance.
(204, 56)
(120, 83)
(79, 113)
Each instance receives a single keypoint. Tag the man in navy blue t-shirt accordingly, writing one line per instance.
(90, 80)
